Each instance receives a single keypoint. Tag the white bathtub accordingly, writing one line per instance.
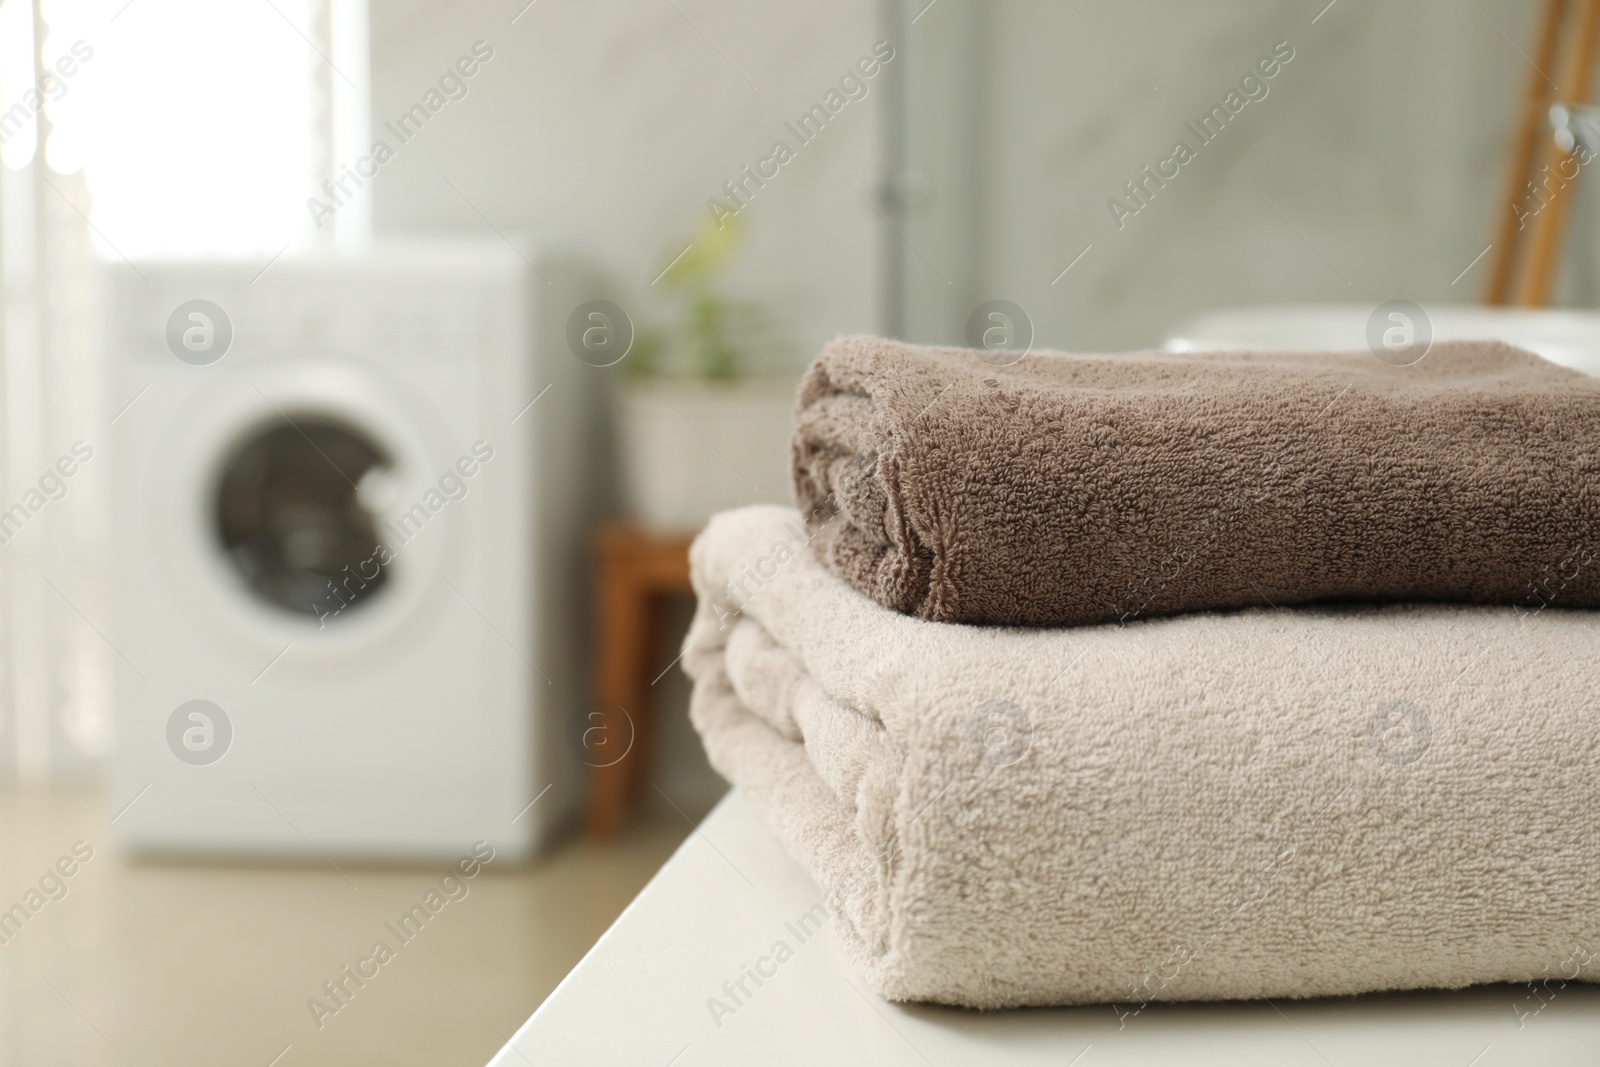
(1571, 338)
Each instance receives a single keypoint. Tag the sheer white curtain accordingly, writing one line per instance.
(129, 129)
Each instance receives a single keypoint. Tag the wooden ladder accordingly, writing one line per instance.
(1542, 173)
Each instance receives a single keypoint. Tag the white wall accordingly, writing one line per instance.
(601, 127)
(1384, 141)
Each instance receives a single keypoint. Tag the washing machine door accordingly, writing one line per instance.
(289, 478)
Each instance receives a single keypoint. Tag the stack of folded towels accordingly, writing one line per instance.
(1165, 677)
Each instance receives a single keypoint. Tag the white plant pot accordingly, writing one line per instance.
(691, 448)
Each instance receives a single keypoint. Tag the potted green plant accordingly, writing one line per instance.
(705, 409)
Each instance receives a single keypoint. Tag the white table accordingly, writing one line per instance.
(640, 996)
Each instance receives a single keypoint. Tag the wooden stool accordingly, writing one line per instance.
(637, 570)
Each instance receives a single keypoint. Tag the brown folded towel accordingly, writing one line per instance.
(1068, 489)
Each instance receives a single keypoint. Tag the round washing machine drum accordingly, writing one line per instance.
(295, 514)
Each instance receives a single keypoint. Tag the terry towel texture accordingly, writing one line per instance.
(1068, 489)
(1288, 804)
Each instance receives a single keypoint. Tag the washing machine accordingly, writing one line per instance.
(343, 547)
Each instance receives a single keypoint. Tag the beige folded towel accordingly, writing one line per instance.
(1067, 489)
(1230, 805)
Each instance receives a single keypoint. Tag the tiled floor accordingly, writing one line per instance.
(176, 964)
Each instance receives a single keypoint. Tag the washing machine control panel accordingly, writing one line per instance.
(282, 310)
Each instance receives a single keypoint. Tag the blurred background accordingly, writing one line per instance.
(367, 364)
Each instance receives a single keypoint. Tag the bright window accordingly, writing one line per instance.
(201, 127)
